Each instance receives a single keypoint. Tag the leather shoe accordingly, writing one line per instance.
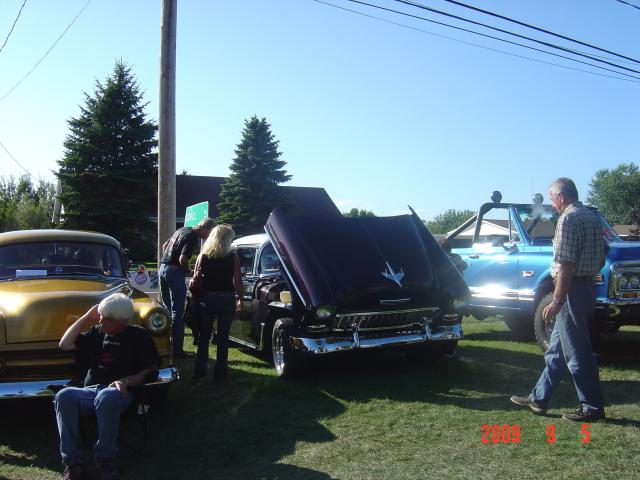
(582, 415)
(528, 402)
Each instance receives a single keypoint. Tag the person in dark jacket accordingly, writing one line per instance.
(221, 298)
(174, 266)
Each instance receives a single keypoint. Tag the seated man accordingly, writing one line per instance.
(118, 356)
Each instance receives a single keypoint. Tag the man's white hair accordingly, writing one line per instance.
(117, 306)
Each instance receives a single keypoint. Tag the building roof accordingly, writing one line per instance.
(192, 189)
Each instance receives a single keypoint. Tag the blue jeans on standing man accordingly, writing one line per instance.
(570, 350)
(222, 306)
(174, 296)
(107, 404)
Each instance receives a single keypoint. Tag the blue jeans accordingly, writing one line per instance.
(107, 404)
(174, 296)
(570, 350)
(212, 306)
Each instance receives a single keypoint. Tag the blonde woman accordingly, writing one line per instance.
(222, 297)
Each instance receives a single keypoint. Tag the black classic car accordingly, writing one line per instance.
(321, 285)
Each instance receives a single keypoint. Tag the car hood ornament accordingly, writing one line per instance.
(393, 276)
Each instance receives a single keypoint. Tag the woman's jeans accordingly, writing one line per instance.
(107, 404)
(174, 296)
(210, 306)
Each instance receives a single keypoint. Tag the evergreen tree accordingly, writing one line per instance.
(252, 190)
(109, 167)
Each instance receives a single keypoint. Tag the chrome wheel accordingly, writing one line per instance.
(277, 349)
(286, 360)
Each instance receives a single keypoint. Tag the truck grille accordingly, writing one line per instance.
(379, 321)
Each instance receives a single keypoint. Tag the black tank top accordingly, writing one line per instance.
(218, 273)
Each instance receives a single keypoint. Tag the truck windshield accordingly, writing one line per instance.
(38, 259)
(540, 221)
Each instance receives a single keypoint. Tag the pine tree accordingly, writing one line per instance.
(109, 166)
(252, 190)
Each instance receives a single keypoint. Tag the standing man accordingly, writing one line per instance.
(579, 252)
(174, 266)
(118, 356)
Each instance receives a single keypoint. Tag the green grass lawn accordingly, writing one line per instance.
(368, 416)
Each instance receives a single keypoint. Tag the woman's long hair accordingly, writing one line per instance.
(218, 243)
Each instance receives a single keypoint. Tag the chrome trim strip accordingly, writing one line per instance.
(388, 312)
(616, 301)
(285, 267)
(394, 301)
(39, 388)
(316, 346)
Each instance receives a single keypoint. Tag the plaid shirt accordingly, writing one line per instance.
(579, 240)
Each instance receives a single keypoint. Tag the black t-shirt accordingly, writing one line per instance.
(112, 357)
(183, 242)
(218, 273)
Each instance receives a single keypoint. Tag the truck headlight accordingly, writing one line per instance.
(157, 322)
(634, 281)
(623, 281)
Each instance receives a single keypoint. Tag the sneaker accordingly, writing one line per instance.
(528, 402)
(581, 415)
(107, 469)
(73, 472)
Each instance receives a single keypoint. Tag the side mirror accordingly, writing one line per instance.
(510, 247)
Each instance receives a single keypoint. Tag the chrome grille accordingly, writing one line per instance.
(379, 321)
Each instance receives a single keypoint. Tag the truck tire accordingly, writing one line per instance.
(541, 327)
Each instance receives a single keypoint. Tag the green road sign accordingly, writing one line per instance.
(195, 213)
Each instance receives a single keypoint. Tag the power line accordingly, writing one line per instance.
(14, 159)
(46, 53)
(494, 38)
(630, 4)
(501, 30)
(533, 27)
(13, 26)
(477, 45)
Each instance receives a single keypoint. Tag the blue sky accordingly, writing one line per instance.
(379, 115)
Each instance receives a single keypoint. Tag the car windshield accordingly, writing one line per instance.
(75, 259)
(540, 221)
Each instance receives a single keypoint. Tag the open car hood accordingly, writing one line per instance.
(371, 263)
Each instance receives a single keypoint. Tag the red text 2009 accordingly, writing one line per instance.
(512, 434)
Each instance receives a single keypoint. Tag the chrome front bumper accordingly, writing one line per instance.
(354, 342)
(39, 388)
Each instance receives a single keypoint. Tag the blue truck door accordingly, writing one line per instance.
(492, 272)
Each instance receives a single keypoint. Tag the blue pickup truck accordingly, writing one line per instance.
(508, 251)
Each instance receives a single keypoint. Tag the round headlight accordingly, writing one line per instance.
(623, 282)
(325, 312)
(157, 322)
(634, 281)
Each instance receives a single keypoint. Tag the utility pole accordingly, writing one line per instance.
(167, 124)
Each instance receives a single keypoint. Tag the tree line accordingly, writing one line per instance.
(108, 174)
